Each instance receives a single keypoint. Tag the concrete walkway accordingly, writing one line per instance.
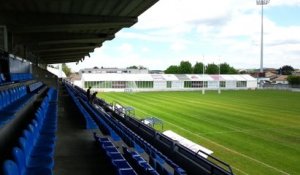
(76, 152)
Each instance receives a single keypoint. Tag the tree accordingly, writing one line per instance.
(132, 67)
(224, 68)
(293, 80)
(212, 69)
(173, 69)
(185, 67)
(198, 68)
(66, 69)
(232, 70)
(286, 70)
(227, 69)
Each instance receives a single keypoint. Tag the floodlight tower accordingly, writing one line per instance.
(262, 3)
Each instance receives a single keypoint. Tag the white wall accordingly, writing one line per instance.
(252, 84)
(159, 84)
(231, 84)
(213, 84)
(177, 84)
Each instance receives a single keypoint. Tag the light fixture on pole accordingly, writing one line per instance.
(262, 3)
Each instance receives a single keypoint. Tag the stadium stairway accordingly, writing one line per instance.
(76, 152)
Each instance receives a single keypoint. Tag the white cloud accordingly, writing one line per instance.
(126, 48)
(178, 46)
(229, 29)
(286, 3)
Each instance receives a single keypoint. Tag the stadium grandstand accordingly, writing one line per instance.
(47, 125)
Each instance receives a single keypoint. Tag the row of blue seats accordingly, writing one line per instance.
(34, 86)
(11, 101)
(90, 123)
(76, 94)
(34, 155)
(132, 139)
(120, 164)
(8, 96)
(139, 164)
(103, 126)
(20, 76)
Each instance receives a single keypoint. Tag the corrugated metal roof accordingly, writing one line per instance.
(55, 31)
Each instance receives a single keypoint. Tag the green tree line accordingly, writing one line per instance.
(185, 67)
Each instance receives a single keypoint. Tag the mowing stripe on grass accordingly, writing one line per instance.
(231, 150)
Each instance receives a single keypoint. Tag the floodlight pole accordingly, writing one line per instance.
(262, 3)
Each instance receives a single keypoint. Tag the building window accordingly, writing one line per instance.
(119, 84)
(187, 84)
(169, 84)
(195, 84)
(144, 84)
(241, 84)
(222, 84)
(111, 71)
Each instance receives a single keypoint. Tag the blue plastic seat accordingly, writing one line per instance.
(119, 164)
(179, 171)
(37, 159)
(114, 155)
(20, 159)
(126, 171)
(110, 149)
(106, 144)
(10, 168)
(152, 172)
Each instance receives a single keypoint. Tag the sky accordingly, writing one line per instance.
(209, 31)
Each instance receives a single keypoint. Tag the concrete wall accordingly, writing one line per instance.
(45, 76)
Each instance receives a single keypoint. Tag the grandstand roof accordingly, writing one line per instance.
(54, 31)
(164, 77)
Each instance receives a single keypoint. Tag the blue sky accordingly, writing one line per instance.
(205, 31)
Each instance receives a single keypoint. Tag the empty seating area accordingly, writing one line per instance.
(138, 162)
(16, 77)
(35, 86)
(33, 154)
(28, 120)
(116, 159)
(14, 98)
(89, 122)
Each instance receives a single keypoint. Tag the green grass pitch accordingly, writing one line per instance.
(256, 132)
